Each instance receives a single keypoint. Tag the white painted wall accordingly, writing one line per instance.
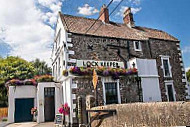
(147, 70)
(19, 92)
(40, 98)
(61, 53)
(151, 90)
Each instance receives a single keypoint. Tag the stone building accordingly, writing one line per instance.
(154, 53)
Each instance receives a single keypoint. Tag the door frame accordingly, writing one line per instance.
(45, 100)
(33, 101)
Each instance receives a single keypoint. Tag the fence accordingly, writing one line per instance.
(3, 112)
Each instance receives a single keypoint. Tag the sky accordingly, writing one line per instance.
(27, 26)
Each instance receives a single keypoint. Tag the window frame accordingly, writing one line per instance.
(140, 47)
(173, 89)
(58, 39)
(169, 66)
(107, 80)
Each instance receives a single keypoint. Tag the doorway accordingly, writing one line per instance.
(49, 104)
(23, 108)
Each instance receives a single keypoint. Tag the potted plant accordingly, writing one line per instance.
(65, 110)
(34, 112)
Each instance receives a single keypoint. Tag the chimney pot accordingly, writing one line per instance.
(128, 18)
(104, 14)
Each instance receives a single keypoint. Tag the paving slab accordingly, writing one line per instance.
(24, 124)
(46, 124)
(31, 124)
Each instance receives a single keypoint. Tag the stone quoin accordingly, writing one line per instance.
(154, 53)
(127, 63)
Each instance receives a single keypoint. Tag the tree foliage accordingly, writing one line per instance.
(41, 67)
(18, 68)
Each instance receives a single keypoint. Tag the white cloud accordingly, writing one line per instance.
(135, 2)
(186, 49)
(87, 10)
(116, 0)
(133, 10)
(187, 69)
(22, 27)
(54, 6)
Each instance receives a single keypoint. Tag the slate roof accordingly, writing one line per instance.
(75, 24)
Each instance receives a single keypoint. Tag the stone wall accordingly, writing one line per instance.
(158, 114)
(171, 49)
(101, 48)
(129, 92)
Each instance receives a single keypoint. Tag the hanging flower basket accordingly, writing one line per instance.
(30, 82)
(44, 78)
(102, 71)
(34, 82)
(15, 82)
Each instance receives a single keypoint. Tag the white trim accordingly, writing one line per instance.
(177, 43)
(184, 80)
(173, 89)
(168, 59)
(149, 76)
(178, 48)
(118, 91)
(104, 90)
(140, 47)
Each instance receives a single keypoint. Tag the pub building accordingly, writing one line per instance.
(132, 63)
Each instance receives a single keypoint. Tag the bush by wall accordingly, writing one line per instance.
(158, 114)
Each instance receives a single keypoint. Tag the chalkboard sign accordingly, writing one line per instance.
(59, 119)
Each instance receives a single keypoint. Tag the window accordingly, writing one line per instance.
(166, 66)
(170, 92)
(49, 91)
(137, 46)
(111, 93)
(59, 67)
(58, 39)
(54, 70)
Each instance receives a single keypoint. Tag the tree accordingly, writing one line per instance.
(13, 68)
(41, 67)
(188, 75)
(18, 68)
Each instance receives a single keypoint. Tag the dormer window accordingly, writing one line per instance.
(137, 45)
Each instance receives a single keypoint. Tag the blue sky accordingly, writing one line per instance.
(171, 16)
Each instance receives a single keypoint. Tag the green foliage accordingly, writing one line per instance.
(41, 67)
(13, 68)
(18, 68)
(44, 78)
(188, 75)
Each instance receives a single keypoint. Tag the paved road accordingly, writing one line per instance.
(31, 124)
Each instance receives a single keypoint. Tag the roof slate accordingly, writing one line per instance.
(80, 25)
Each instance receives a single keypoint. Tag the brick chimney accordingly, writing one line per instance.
(128, 18)
(104, 12)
